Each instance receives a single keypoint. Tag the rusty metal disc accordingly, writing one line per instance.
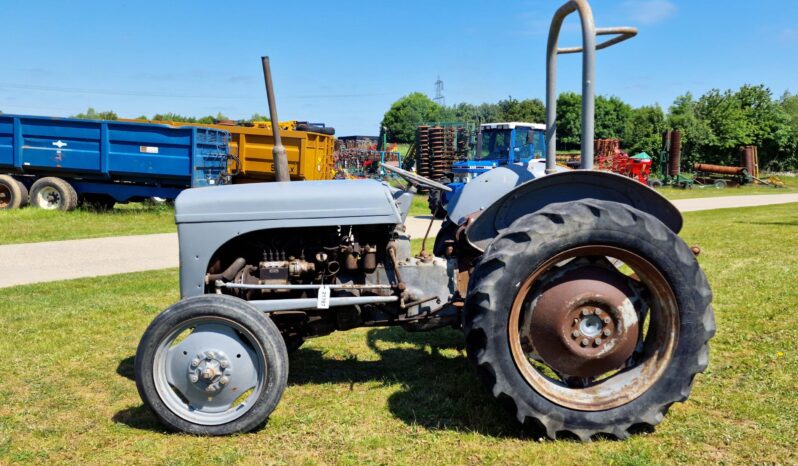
(624, 342)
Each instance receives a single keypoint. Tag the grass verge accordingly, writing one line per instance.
(31, 225)
(383, 396)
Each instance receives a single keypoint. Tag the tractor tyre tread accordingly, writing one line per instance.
(526, 244)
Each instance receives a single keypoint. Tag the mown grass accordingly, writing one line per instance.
(384, 396)
(31, 225)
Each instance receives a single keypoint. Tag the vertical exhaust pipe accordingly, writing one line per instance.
(280, 159)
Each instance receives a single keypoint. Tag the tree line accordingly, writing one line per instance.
(713, 125)
(92, 114)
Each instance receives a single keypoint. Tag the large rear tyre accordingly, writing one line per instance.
(211, 365)
(51, 193)
(13, 194)
(588, 319)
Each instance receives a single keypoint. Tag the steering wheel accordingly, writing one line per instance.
(416, 180)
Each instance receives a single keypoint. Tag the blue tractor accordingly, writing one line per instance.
(497, 145)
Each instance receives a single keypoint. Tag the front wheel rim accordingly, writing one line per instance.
(209, 370)
(652, 353)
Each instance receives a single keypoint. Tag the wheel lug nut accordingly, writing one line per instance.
(193, 378)
(576, 334)
(597, 341)
(195, 362)
(607, 320)
(585, 312)
(224, 380)
(584, 342)
(224, 364)
(606, 332)
(211, 355)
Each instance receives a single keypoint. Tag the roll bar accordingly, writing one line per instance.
(588, 50)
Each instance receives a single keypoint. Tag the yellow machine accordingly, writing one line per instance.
(310, 154)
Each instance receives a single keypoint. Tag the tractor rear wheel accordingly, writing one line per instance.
(588, 319)
(211, 365)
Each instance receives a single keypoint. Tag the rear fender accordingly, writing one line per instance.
(566, 187)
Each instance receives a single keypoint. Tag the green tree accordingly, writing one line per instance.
(528, 110)
(92, 114)
(643, 133)
(613, 116)
(407, 113)
(569, 123)
(682, 116)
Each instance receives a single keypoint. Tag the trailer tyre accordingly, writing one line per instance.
(53, 193)
(13, 194)
(211, 365)
(588, 319)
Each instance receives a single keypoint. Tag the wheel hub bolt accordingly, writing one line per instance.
(606, 332)
(193, 378)
(195, 362)
(224, 380)
(585, 312)
(597, 341)
(584, 342)
(607, 320)
(576, 334)
(210, 355)
(224, 364)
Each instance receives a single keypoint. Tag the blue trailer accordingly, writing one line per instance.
(55, 163)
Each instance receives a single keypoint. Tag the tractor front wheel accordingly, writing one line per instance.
(588, 319)
(211, 365)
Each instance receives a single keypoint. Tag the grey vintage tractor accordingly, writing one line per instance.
(583, 311)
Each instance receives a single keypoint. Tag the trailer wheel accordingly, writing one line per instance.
(13, 194)
(211, 365)
(719, 184)
(588, 319)
(53, 193)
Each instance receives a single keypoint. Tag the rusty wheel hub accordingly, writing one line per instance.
(583, 320)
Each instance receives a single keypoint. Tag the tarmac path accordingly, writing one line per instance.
(63, 260)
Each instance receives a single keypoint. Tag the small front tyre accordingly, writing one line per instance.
(211, 365)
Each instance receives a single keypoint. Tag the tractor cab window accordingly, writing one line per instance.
(529, 143)
(495, 144)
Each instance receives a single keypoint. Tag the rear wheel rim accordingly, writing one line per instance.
(5, 196)
(209, 370)
(49, 198)
(657, 325)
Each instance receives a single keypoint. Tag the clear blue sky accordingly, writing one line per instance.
(345, 62)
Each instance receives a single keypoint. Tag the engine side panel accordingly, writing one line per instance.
(564, 187)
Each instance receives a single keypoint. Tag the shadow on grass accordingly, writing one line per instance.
(437, 391)
(125, 368)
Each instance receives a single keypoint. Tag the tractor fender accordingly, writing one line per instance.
(566, 187)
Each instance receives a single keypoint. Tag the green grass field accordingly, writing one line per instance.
(383, 396)
(31, 225)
